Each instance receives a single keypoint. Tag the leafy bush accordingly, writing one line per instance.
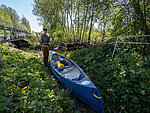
(122, 81)
(26, 87)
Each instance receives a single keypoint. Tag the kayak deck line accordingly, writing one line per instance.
(97, 96)
(89, 102)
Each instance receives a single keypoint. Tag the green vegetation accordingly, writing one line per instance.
(122, 81)
(10, 15)
(25, 86)
(4, 16)
(95, 20)
(25, 22)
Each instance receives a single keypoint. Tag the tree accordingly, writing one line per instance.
(25, 22)
(77, 19)
(12, 13)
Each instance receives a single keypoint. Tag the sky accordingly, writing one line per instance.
(24, 7)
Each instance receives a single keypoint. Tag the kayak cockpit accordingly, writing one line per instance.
(69, 71)
(72, 73)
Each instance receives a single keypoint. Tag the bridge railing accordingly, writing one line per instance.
(10, 33)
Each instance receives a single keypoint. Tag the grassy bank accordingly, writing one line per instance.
(26, 87)
(122, 81)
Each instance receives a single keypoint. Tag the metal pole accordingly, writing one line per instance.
(115, 47)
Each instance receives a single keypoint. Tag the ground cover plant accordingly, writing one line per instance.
(26, 87)
(123, 81)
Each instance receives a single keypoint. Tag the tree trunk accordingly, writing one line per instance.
(91, 24)
(78, 19)
(140, 16)
(71, 22)
(85, 23)
(82, 25)
(103, 33)
(68, 22)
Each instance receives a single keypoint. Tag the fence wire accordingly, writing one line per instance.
(116, 42)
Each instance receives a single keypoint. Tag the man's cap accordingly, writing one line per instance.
(44, 29)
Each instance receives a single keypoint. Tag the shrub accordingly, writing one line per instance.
(122, 81)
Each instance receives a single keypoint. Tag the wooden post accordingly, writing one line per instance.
(23, 33)
(10, 31)
(3, 27)
(15, 32)
(18, 32)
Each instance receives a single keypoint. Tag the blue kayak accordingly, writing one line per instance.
(72, 77)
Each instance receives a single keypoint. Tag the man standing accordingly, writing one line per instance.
(45, 40)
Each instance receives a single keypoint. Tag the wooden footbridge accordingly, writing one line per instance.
(14, 35)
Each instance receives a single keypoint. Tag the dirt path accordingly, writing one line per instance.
(27, 53)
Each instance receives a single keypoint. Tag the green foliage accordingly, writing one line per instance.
(25, 22)
(26, 87)
(122, 81)
(10, 15)
(4, 16)
(83, 20)
(32, 39)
